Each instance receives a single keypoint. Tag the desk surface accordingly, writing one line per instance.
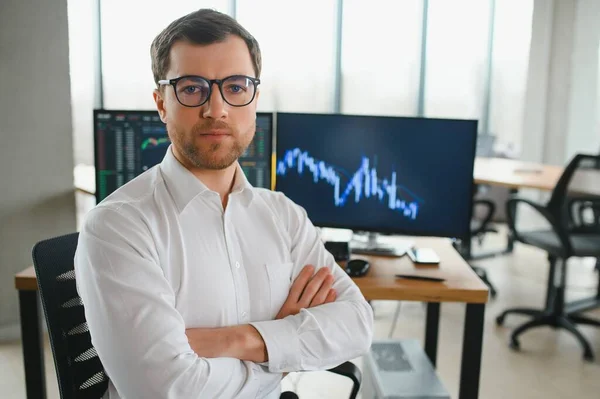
(26, 280)
(461, 285)
(515, 174)
(518, 174)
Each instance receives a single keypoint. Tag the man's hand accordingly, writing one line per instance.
(308, 291)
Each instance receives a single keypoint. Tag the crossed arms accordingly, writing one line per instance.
(244, 342)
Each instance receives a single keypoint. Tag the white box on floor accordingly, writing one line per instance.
(400, 369)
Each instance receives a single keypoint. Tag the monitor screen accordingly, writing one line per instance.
(127, 143)
(397, 175)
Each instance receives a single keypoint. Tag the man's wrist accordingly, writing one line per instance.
(249, 345)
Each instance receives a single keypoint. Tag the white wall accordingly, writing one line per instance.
(561, 116)
(36, 151)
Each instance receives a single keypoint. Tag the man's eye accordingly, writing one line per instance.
(192, 89)
(236, 89)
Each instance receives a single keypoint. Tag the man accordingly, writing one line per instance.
(196, 284)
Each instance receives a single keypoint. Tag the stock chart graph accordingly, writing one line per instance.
(380, 174)
(364, 184)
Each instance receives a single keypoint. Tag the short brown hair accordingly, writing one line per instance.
(204, 26)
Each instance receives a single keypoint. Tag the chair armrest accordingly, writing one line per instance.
(490, 210)
(511, 211)
(349, 369)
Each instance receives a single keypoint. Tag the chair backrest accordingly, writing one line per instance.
(581, 170)
(79, 370)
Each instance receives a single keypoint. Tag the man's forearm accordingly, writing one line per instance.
(241, 342)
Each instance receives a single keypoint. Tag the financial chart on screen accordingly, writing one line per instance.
(379, 174)
(127, 143)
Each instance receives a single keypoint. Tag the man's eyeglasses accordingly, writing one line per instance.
(193, 91)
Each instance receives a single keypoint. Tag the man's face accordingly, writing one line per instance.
(214, 135)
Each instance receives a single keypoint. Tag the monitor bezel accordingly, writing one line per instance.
(391, 231)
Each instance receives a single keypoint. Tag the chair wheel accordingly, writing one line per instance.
(589, 356)
(514, 344)
(500, 320)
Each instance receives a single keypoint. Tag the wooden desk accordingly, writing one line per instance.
(515, 174)
(461, 285)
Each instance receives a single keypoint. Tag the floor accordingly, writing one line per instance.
(549, 365)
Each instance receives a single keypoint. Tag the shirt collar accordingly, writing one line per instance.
(184, 186)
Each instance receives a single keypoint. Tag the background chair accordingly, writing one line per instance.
(562, 240)
(481, 225)
(79, 370)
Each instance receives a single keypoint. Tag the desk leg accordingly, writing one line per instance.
(432, 324)
(33, 348)
(471, 352)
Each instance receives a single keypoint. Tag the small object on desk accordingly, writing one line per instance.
(423, 256)
(357, 267)
(339, 249)
(424, 278)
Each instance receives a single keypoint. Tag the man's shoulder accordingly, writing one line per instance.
(130, 201)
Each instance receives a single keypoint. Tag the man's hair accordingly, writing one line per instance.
(202, 27)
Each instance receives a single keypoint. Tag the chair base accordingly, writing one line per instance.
(545, 318)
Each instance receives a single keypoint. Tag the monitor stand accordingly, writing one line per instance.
(373, 246)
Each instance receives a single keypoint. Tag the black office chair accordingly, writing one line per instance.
(481, 224)
(561, 242)
(79, 370)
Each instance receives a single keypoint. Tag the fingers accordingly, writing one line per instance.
(300, 283)
(313, 287)
(331, 296)
(323, 291)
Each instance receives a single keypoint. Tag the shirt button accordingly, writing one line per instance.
(237, 265)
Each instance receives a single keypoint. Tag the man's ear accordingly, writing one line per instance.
(160, 105)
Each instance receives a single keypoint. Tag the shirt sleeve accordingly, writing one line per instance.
(323, 336)
(135, 328)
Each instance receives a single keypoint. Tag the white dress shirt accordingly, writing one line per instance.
(161, 255)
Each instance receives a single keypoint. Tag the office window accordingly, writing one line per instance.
(381, 56)
(510, 60)
(297, 41)
(457, 54)
(128, 28)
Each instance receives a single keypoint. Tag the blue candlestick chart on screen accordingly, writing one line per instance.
(365, 184)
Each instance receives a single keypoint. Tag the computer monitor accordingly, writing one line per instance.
(395, 175)
(127, 143)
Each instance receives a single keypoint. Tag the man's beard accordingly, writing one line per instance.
(215, 156)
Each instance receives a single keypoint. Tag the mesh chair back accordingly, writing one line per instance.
(79, 370)
(580, 180)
